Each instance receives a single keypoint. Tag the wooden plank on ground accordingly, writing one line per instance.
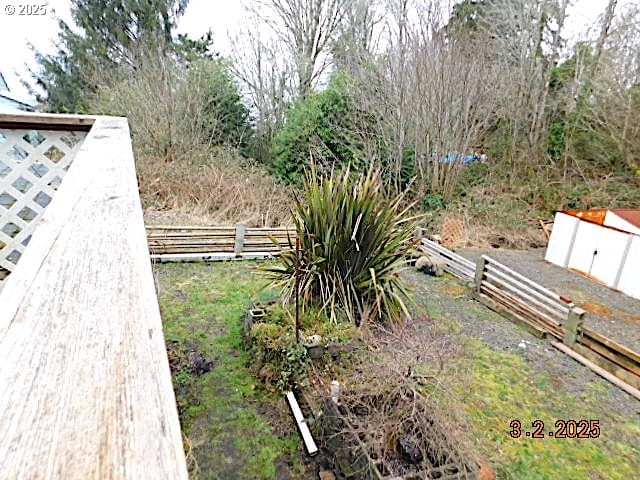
(85, 380)
(611, 367)
(611, 355)
(578, 355)
(611, 344)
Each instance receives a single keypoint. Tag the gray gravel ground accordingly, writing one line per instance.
(443, 298)
(609, 312)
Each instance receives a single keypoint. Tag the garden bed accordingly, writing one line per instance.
(415, 447)
(277, 359)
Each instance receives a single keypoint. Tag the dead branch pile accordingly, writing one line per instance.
(389, 421)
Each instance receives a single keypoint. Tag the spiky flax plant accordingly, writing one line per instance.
(353, 240)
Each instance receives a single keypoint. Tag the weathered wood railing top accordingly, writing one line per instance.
(84, 379)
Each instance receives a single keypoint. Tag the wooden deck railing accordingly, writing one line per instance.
(85, 384)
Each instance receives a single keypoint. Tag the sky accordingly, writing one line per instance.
(223, 17)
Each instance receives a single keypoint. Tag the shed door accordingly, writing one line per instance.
(585, 247)
(630, 277)
(562, 238)
(612, 246)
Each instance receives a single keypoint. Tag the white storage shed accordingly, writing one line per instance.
(601, 244)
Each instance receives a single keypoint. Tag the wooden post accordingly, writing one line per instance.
(480, 264)
(239, 245)
(574, 321)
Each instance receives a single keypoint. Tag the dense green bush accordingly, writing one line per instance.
(324, 128)
(225, 118)
(353, 239)
(433, 201)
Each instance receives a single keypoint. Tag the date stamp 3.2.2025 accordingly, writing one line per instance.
(581, 429)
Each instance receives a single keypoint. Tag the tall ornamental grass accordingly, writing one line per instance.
(353, 240)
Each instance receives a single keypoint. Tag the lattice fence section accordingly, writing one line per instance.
(32, 166)
(453, 233)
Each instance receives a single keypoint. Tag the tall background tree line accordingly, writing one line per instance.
(400, 83)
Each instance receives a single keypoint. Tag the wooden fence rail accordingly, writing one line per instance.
(538, 308)
(453, 263)
(544, 313)
(192, 243)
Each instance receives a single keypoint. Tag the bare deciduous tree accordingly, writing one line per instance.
(432, 96)
(305, 28)
(614, 103)
(267, 80)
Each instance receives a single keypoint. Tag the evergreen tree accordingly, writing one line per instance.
(107, 36)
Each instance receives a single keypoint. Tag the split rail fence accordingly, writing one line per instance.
(545, 314)
(455, 264)
(188, 244)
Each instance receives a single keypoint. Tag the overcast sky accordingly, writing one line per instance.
(221, 16)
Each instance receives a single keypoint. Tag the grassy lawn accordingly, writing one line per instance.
(493, 387)
(500, 386)
(234, 429)
(225, 432)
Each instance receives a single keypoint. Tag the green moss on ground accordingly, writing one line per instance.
(501, 386)
(225, 432)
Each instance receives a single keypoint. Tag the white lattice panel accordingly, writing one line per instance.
(32, 166)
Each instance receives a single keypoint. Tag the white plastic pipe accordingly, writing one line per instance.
(302, 425)
(335, 391)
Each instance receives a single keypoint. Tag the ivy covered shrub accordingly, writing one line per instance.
(276, 358)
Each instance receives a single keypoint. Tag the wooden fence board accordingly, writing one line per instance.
(542, 311)
(190, 245)
(504, 283)
(552, 303)
(455, 264)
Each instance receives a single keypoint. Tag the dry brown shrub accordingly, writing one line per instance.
(389, 406)
(512, 230)
(481, 235)
(225, 190)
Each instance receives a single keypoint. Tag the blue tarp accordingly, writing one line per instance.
(464, 159)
